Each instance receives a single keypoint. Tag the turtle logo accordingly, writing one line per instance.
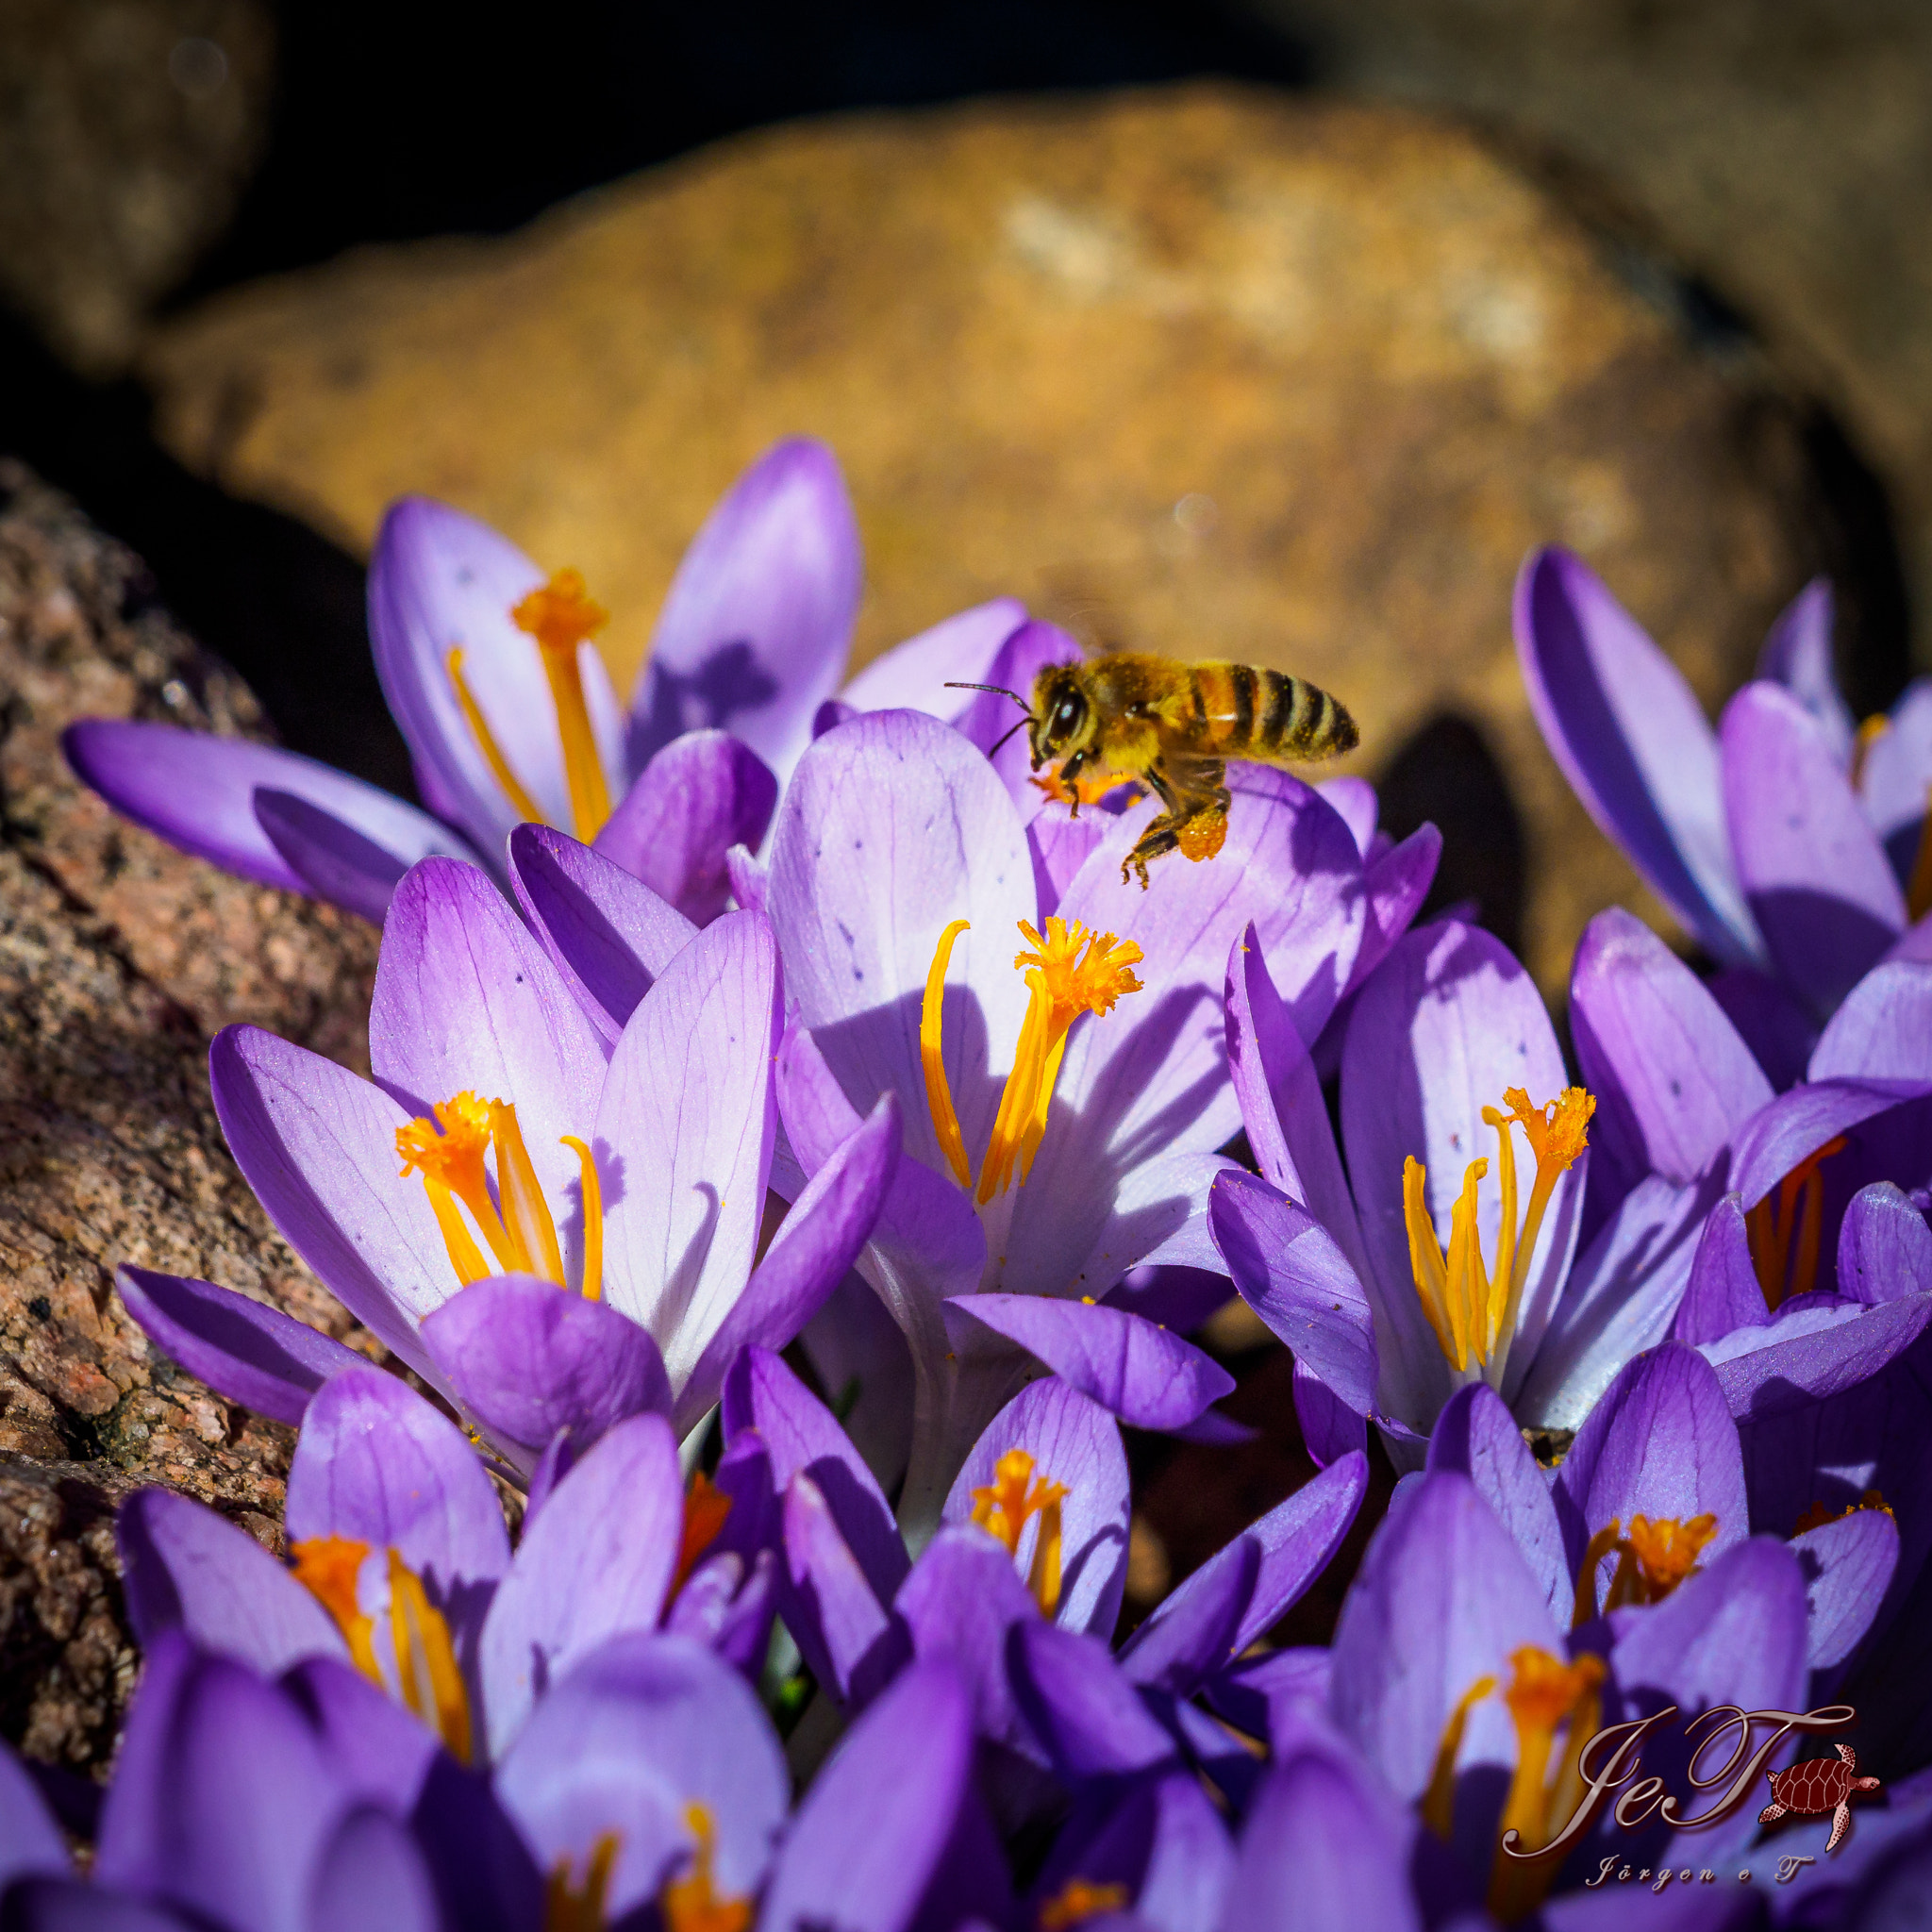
(1816, 1787)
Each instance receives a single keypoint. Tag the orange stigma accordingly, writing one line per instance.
(515, 1223)
(1652, 1559)
(562, 618)
(706, 1507)
(1004, 1507)
(1070, 971)
(1076, 1902)
(692, 1904)
(1785, 1266)
(1543, 1693)
(1472, 1311)
(415, 1661)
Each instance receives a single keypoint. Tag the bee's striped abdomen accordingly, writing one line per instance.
(1300, 719)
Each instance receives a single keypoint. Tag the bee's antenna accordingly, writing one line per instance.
(1004, 735)
(998, 691)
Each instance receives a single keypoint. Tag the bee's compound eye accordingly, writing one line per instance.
(1066, 714)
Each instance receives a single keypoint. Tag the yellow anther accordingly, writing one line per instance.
(706, 1507)
(1439, 1798)
(1472, 1311)
(516, 1222)
(1089, 789)
(1543, 1693)
(520, 802)
(432, 1685)
(1787, 1267)
(329, 1567)
(939, 1092)
(592, 1287)
(569, 1907)
(1004, 1507)
(1818, 1515)
(1078, 1901)
(426, 1677)
(1870, 732)
(692, 1904)
(560, 615)
(1070, 971)
(1654, 1557)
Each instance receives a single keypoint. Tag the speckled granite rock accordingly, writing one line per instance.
(118, 959)
(1204, 369)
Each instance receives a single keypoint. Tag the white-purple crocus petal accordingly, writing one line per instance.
(754, 631)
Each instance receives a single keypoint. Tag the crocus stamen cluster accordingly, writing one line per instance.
(517, 1224)
(1004, 1507)
(1070, 971)
(1819, 1514)
(423, 1673)
(1078, 1901)
(1786, 1267)
(572, 1907)
(1542, 1694)
(561, 616)
(1474, 1313)
(1439, 1799)
(691, 1904)
(1652, 1559)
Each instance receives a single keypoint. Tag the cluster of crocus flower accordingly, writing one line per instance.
(780, 1031)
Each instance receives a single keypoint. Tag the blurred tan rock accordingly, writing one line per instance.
(1781, 148)
(119, 957)
(127, 130)
(1207, 369)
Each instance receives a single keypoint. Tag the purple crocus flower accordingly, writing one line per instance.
(648, 1781)
(510, 718)
(1433, 1263)
(1786, 841)
(1052, 1039)
(1813, 1269)
(504, 1135)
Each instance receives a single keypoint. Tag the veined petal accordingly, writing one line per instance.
(1660, 1442)
(989, 718)
(1884, 1247)
(1807, 1352)
(191, 1571)
(754, 631)
(318, 1146)
(607, 932)
(376, 1464)
(627, 1740)
(1849, 1565)
(466, 1000)
(1073, 1442)
(1477, 1435)
(527, 1358)
(1395, 883)
(598, 1559)
(1629, 734)
(913, 676)
(339, 861)
(1723, 1291)
(700, 795)
(1673, 1082)
(1883, 1030)
(440, 580)
(815, 1245)
(1813, 870)
(893, 827)
(199, 793)
(1083, 1709)
(1133, 1368)
(243, 1350)
(684, 1137)
(846, 1634)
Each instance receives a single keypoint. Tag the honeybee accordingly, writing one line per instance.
(1173, 726)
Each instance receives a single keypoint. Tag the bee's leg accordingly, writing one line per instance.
(1070, 777)
(1204, 816)
(1159, 839)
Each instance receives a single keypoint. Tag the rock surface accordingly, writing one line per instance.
(119, 958)
(1205, 370)
(128, 130)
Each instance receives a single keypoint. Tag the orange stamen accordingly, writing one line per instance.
(568, 1907)
(691, 1904)
(1076, 1902)
(706, 1507)
(1543, 1693)
(328, 1567)
(1786, 1268)
(520, 802)
(1004, 1507)
(562, 617)
(1817, 1516)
